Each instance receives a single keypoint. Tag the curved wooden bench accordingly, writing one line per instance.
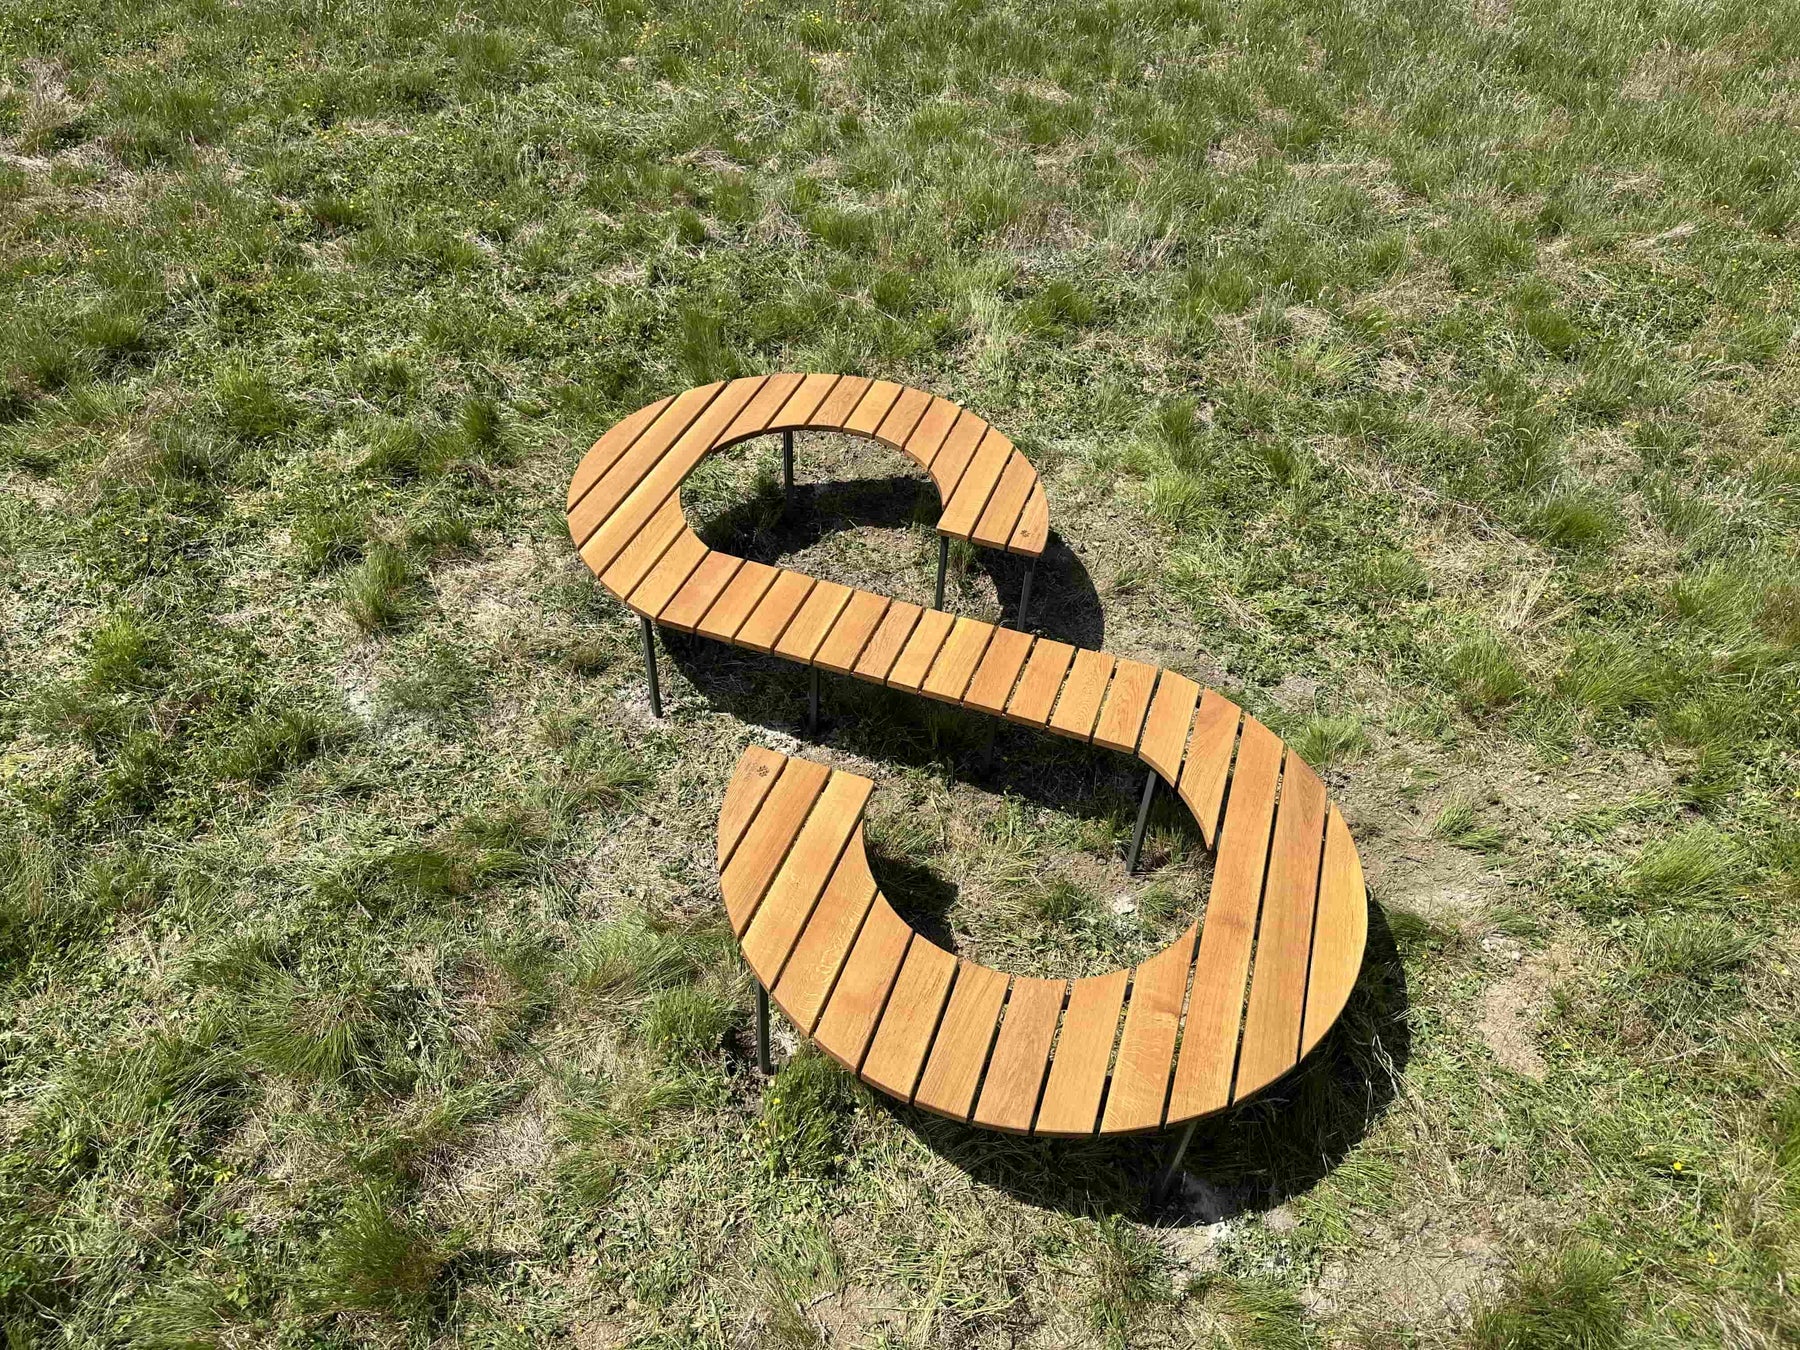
(1235, 1002)
(625, 510)
(1159, 1045)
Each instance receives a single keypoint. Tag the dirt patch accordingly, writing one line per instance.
(1512, 1008)
(1435, 882)
(1432, 1277)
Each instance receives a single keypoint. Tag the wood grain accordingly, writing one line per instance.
(960, 1052)
(1210, 1038)
(1021, 1059)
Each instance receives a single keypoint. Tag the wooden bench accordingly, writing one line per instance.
(1235, 1002)
(624, 506)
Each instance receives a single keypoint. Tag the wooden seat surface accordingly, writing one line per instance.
(1235, 1002)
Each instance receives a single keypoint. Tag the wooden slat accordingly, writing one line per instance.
(699, 592)
(1083, 1052)
(921, 649)
(1340, 935)
(797, 412)
(1015, 1074)
(605, 452)
(861, 992)
(840, 403)
(1166, 729)
(762, 409)
(1033, 529)
(998, 671)
(801, 879)
(775, 611)
(668, 576)
(926, 439)
(819, 955)
(1209, 761)
(1210, 1039)
(634, 564)
(897, 1053)
(1036, 695)
(756, 772)
(882, 649)
(737, 601)
(607, 490)
(874, 406)
(659, 480)
(957, 658)
(1284, 933)
(813, 621)
(901, 420)
(1140, 1078)
(851, 633)
(959, 1054)
(954, 454)
(784, 810)
(686, 421)
(1080, 701)
(1127, 704)
(1002, 511)
(971, 496)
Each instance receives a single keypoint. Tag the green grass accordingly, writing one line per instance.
(1422, 375)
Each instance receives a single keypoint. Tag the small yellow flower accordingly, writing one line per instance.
(1678, 1165)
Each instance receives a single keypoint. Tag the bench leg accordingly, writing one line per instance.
(987, 748)
(1137, 837)
(943, 566)
(645, 627)
(812, 701)
(1025, 596)
(787, 467)
(762, 1031)
(1172, 1166)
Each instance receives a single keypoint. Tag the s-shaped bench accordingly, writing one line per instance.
(1233, 1004)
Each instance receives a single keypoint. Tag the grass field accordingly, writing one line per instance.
(1422, 375)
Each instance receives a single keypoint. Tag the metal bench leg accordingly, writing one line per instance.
(1025, 596)
(762, 1032)
(812, 701)
(1172, 1167)
(943, 565)
(987, 748)
(787, 467)
(1137, 838)
(644, 627)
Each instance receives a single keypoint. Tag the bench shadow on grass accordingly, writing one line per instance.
(1064, 603)
(1249, 1158)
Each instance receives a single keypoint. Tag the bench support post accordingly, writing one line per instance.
(812, 701)
(1171, 1165)
(943, 565)
(762, 1030)
(645, 627)
(1025, 596)
(787, 467)
(1137, 837)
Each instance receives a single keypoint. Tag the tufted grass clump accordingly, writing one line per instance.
(1568, 1300)
(1484, 674)
(1327, 741)
(1699, 866)
(806, 1114)
(379, 593)
(688, 1022)
(377, 1260)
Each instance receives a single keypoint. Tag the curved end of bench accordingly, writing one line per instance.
(1188, 1032)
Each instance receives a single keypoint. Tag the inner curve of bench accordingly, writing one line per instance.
(1229, 1007)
